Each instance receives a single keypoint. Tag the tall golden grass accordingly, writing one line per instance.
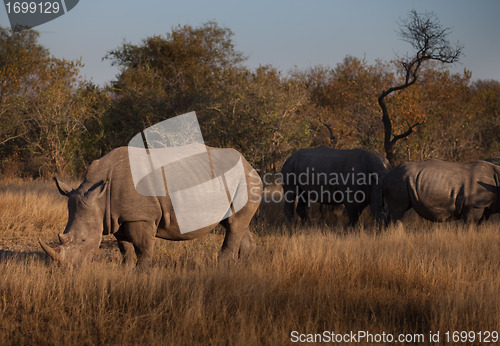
(310, 278)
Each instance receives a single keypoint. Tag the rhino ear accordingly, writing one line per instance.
(95, 192)
(63, 188)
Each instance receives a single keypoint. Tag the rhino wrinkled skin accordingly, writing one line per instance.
(106, 202)
(440, 190)
(334, 163)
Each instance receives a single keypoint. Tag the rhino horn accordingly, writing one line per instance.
(63, 238)
(56, 256)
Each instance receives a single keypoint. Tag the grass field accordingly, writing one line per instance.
(418, 279)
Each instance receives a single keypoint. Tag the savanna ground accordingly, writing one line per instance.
(310, 278)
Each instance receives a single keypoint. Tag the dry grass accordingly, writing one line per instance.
(307, 278)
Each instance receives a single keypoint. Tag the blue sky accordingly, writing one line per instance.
(282, 33)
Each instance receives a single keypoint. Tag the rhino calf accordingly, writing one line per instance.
(107, 202)
(440, 190)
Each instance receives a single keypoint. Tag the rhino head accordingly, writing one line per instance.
(83, 231)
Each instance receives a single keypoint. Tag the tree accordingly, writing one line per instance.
(19, 57)
(487, 95)
(45, 108)
(164, 76)
(265, 115)
(430, 41)
(451, 117)
(347, 98)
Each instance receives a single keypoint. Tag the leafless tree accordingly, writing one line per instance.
(430, 41)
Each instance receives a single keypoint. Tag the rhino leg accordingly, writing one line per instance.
(302, 209)
(473, 215)
(398, 201)
(234, 234)
(354, 212)
(126, 249)
(289, 208)
(247, 245)
(141, 235)
(289, 205)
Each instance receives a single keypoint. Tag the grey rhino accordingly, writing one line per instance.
(334, 176)
(495, 160)
(106, 202)
(440, 190)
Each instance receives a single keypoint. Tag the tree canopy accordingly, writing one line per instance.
(46, 109)
(430, 41)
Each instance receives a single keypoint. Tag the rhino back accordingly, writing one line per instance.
(330, 160)
(439, 190)
(494, 160)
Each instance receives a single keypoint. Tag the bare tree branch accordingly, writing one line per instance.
(430, 41)
(12, 137)
(332, 136)
(407, 133)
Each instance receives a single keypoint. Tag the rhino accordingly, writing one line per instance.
(440, 190)
(495, 160)
(107, 202)
(333, 177)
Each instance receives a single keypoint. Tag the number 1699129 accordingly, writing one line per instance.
(25, 7)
